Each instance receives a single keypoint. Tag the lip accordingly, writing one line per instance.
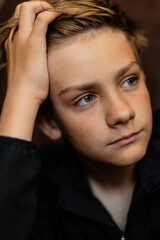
(127, 139)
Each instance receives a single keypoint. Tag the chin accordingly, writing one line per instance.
(130, 157)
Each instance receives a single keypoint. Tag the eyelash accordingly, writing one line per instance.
(133, 77)
(82, 98)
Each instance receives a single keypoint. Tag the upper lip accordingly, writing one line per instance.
(125, 137)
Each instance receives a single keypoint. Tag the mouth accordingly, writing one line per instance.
(127, 139)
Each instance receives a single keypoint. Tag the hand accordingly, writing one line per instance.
(28, 80)
(27, 51)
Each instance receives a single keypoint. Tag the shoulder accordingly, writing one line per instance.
(156, 121)
(55, 165)
(155, 138)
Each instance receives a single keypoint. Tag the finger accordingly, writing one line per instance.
(41, 23)
(28, 13)
(13, 24)
(9, 39)
(7, 44)
(17, 11)
(11, 35)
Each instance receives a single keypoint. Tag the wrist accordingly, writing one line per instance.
(18, 116)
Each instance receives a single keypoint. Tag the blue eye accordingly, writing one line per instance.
(130, 82)
(85, 100)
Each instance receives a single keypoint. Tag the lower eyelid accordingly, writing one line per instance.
(136, 78)
(83, 105)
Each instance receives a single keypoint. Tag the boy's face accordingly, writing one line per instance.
(100, 98)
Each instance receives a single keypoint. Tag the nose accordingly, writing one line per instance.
(119, 111)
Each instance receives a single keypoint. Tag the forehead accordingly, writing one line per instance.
(89, 57)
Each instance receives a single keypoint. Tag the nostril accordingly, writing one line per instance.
(120, 118)
(124, 120)
(118, 123)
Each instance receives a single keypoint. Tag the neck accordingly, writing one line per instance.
(108, 175)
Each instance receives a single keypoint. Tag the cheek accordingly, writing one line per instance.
(145, 104)
(143, 108)
(80, 129)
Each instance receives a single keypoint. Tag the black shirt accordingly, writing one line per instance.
(46, 196)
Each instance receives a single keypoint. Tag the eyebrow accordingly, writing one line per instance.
(94, 85)
(125, 69)
(87, 86)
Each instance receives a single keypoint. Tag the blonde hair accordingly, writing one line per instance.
(79, 17)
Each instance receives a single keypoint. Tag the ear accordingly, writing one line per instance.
(50, 129)
(47, 125)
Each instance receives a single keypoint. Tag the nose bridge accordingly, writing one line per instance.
(118, 109)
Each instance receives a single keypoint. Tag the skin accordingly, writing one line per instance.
(115, 110)
(117, 104)
(28, 81)
(115, 107)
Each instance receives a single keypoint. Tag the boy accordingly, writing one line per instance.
(99, 104)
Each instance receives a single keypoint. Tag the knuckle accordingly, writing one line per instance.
(44, 17)
(16, 12)
(24, 5)
(17, 7)
(45, 4)
(41, 17)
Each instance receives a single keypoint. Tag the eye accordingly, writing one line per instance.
(87, 99)
(130, 82)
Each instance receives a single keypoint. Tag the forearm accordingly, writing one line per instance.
(18, 116)
(27, 88)
(19, 168)
(27, 68)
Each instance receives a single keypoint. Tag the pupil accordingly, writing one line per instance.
(130, 81)
(88, 98)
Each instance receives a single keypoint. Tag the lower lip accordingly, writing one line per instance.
(127, 141)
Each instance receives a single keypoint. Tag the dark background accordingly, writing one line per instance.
(147, 13)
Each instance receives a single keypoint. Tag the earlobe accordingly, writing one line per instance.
(47, 124)
(50, 129)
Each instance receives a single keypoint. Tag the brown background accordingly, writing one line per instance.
(147, 12)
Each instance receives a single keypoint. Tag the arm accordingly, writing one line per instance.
(27, 88)
(19, 168)
(28, 81)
